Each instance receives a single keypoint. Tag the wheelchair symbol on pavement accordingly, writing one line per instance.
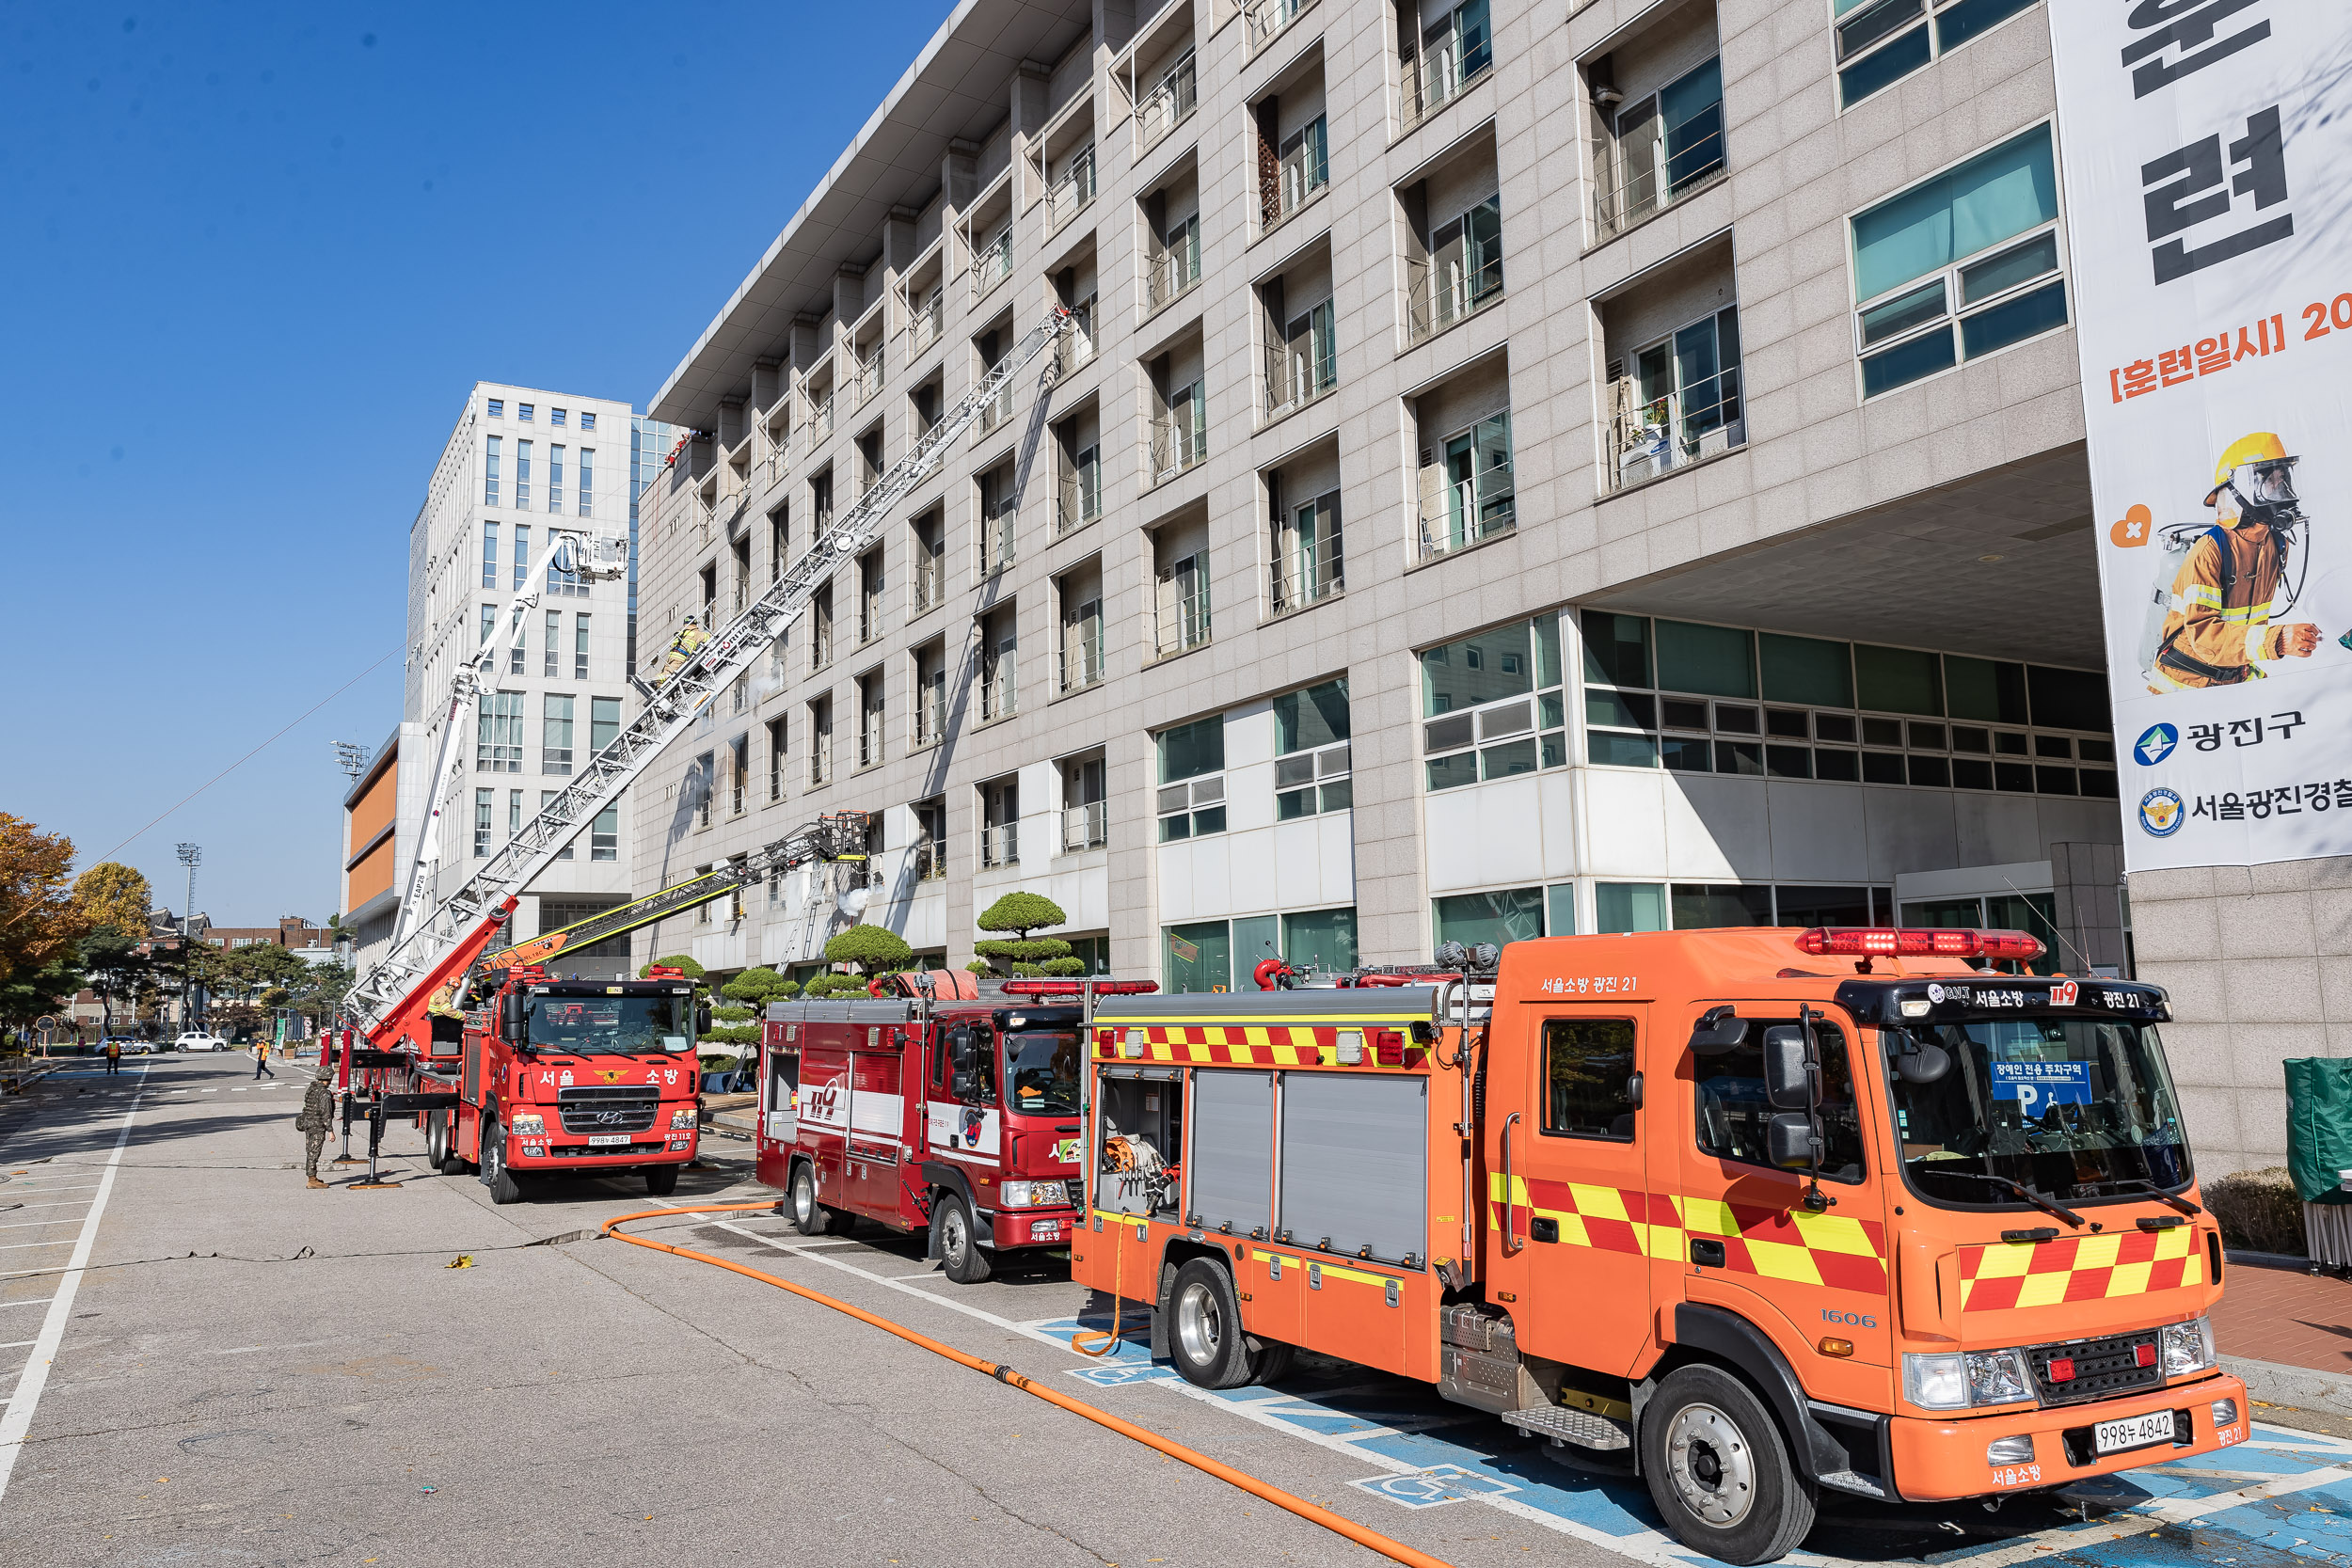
(1434, 1487)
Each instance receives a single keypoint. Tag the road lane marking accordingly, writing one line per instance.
(27, 1225)
(11, 1247)
(37, 1301)
(19, 1420)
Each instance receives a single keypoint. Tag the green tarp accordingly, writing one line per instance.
(2319, 1126)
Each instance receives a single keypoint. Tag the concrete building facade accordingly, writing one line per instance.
(519, 462)
(1518, 472)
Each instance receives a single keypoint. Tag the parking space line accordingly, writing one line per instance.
(27, 1225)
(37, 1301)
(62, 1241)
(19, 1418)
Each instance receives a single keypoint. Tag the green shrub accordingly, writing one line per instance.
(2258, 1211)
(1021, 913)
(733, 1034)
(735, 1014)
(1063, 966)
(676, 961)
(872, 948)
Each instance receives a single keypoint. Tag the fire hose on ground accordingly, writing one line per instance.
(1395, 1551)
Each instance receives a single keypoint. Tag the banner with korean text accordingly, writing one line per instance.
(2207, 155)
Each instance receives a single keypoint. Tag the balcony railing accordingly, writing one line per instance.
(1634, 180)
(1077, 500)
(931, 580)
(1000, 844)
(1177, 444)
(930, 860)
(996, 411)
(1183, 622)
(1175, 273)
(992, 262)
(997, 539)
(930, 714)
(1267, 18)
(1302, 172)
(820, 758)
(1081, 656)
(1168, 103)
(1647, 439)
(819, 424)
(1438, 300)
(1293, 380)
(1084, 826)
(870, 739)
(866, 381)
(1438, 78)
(1467, 515)
(923, 322)
(1068, 195)
(999, 695)
(1302, 577)
(1076, 347)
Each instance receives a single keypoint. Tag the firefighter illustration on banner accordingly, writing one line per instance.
(2220, 591)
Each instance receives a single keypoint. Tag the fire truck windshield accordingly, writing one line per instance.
(2074, 1110)
(625, 1025)
(1042, 1073)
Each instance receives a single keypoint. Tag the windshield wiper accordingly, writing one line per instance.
(2047, 1206)
(2134, 1184)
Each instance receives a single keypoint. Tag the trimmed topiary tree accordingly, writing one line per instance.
(1024, 956)
(875, 949)
(750, 992)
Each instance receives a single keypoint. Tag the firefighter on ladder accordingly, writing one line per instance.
(2217, 630)
(690, 638)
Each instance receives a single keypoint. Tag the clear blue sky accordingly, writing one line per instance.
(253, 258)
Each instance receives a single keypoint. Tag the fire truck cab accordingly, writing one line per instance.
(1751, 1213)
(959, 1117)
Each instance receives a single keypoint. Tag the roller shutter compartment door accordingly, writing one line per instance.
(1232, 1150)
(1355, 1163)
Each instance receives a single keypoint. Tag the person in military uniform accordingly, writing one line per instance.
(318, 1116)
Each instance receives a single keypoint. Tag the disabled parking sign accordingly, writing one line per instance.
(2037, 1085)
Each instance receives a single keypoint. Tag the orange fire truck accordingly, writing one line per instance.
(1749, 1212)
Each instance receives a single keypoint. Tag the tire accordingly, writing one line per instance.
(959, 1245)
(1205, 1336)
(504, 1188)
(1272, 1361)
(662, 1181)
(809, 1217)
(1719, 1470)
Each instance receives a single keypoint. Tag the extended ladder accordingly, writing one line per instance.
(730, 651)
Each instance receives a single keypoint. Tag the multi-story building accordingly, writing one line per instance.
(1517, 470)
(519, 463)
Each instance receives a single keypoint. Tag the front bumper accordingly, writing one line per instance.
(1937, 1458)
(1028, 1228)
(534, 1153)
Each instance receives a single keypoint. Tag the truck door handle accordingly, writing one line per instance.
(1542, 1229)
(1707, 1255)
(1510, 1191)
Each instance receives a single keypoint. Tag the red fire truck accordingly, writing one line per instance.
(952, 1112)
(1754, 1214)
(540, 1076)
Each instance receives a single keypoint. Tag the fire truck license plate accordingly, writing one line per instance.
(598, 1140)
(2135, 1431)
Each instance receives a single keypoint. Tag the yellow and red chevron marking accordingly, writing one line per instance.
(1828, 1250)
(1249, 1044)
(2078, 1268)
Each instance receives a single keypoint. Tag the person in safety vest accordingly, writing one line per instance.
(682, 646)
(2217, 629)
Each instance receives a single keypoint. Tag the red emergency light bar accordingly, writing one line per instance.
(1918, 942)
(1074, 988)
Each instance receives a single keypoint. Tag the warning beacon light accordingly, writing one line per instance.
(1918, 942)
(1076, 987)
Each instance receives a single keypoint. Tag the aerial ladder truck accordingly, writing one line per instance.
(518, 1071)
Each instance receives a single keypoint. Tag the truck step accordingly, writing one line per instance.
(1580, 1427)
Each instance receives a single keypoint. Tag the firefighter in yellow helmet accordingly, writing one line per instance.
(683, 646)
(2217, 629)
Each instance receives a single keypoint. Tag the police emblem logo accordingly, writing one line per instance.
(2160, 813)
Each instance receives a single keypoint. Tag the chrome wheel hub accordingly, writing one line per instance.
(1712, 1466)
(1199, 1325)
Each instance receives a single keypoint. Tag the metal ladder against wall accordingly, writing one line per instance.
(730, 651)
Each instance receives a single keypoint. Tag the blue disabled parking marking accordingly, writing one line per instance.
(1435, 1487)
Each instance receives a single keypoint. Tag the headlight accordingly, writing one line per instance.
(1033, 1195)
(682, 1117)
(1948, 1381)
(528, 1122)
(2186, 1347)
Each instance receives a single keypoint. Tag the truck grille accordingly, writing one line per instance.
(608, 1109)
(2103, 1367)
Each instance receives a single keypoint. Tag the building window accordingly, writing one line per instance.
(579, 647)
(587, 485)
(587, 420)
(498, 733)
(819, 740)
(1667, 146)
(1957, 268)
(483, 807)
(555, 415)
(1192, 779)
(1000, 822)
(1308, 565)
(775, 759)
(739, 774)
(999, 501)
(547, 798)
(1081, 636)
(1168, 101)
(1306, 364)
(1877, 43)
(1682, 402)
(1079, 497)
(514, 814)
(515, 653)
(1182, 604)
(1478, 497)
(489, 555)
(551, 646)
(522, 552)
(1323, 941)
(1724, 700)
(870, 718)
(604, 834)
(1303, 167)
(489, 623)
(555, 740)
(1085, 812)
(522, 469)
(1000, 665)
(1180, 437)
(1493, 704)
(1513, 914)
(704, 780)
(490, 475)
(1455, 51)
(1465, 268)
(604, 722)
(498, 408)
(1310, 752)
(523, 412)
(1176, 268)
(555, 479)
(931, 840)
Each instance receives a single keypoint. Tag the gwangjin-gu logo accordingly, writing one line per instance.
(2160, 813)
(2154, 744)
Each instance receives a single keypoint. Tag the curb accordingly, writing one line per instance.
(2295, 1388)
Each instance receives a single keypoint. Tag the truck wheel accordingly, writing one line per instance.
(433, 1139)
(451, 1162)
(662, 1181)
(504, 1187)
(958, 1249)
(1719, 1470)
(1273, 1361)
(809, 1217)
(1211, 1349)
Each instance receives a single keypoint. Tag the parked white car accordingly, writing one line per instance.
(197, 1040)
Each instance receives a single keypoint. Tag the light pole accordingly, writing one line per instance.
(191, 856)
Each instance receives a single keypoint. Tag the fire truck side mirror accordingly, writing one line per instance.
(1719, 1030)
(1789, 1141)
(702, 1018)
(514, 1016)
(1789, 1075)
(1924, 1063)
(962, 1063)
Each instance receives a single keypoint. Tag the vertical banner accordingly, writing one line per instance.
(2207, 155)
